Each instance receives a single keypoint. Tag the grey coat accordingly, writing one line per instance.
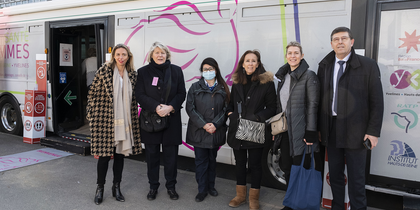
(205, 106)
(302, 106)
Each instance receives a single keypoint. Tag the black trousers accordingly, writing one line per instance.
(286, 161)
(102, 168)
(253, 157)
(170, 160)
(356, 164)
(205, 168)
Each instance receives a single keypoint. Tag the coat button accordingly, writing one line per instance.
(212, 108)
(249, 97)
(158, 88)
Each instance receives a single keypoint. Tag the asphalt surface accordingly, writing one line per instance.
(70, 183)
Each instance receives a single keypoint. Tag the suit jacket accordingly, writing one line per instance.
(360, 100)
(150, 96)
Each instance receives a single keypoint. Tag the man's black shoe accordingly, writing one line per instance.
(213, 192)
(172, 194)
(200, 197)
(152, 194)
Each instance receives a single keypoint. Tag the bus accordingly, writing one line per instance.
(385, 30)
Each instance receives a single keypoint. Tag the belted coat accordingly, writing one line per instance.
(100, 113)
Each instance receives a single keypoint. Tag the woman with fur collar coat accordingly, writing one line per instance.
(253, 88)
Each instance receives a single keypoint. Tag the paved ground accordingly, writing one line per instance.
(69, 183)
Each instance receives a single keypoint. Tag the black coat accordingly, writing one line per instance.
(302, 106)
(258, 105)
(205, 106)
(149, 97)
(360, 104)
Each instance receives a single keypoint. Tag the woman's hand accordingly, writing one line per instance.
(307, 142)
(210, 128)
(164, 110)
(230, 113)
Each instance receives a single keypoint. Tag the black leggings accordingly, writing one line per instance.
(254, 158)
(103, 168)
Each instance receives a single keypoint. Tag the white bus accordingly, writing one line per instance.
(222, 29)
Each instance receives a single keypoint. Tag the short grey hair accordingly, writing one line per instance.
(162, 47)
(294, 44)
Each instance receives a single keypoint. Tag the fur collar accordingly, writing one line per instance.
(263, 78)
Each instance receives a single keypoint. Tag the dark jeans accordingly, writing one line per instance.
(356, 164)
(170, 160)
(205, 168)
(253, 157)
(102, 168)
(286, 161)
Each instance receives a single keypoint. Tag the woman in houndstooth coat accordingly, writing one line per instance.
(111, 109)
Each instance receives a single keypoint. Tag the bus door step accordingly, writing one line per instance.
(67, 144)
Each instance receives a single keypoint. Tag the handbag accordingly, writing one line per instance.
(150, 121)
(305, 187)
(278, 123)
(249, 130)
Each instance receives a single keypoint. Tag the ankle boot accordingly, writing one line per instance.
(240, 196)
(116, 192)
(99, 195)
(254, 197)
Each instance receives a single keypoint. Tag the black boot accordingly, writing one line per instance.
(116, 192)
(99, 196)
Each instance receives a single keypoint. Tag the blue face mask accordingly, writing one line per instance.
(209, 75)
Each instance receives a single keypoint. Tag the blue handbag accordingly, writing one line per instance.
(305, 187)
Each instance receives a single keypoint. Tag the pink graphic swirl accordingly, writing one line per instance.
(182, 3)
(229, 76)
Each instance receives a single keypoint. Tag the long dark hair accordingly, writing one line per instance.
(213, 63)
(240, 72)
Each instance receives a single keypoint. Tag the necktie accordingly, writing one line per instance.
(340, 73)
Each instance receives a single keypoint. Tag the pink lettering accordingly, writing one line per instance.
(27, 52)
(10, 53)
(18, 51)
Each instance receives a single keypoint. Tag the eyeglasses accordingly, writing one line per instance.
(343, 39)
(208, 69)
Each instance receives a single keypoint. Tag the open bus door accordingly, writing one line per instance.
(77, 49)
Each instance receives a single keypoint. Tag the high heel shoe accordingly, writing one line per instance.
(116, 192)
(99, 195)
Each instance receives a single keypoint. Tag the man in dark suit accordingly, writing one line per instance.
(350, 112)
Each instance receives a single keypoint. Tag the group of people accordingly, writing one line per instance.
(340, 108)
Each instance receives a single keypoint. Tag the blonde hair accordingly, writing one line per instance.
(130, 63)
(162, 47)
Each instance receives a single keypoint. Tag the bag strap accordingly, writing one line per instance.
(312, 157)
(240, 109)
(168, 85)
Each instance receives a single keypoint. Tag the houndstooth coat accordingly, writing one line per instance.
(100, 113)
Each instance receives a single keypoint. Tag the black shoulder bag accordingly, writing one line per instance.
(150, 121)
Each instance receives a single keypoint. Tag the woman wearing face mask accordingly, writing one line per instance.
(298, 96)
(207, 101)
(253, 88)
(160, 89)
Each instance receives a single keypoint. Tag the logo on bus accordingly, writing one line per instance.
(402, 155)
(405, 119)
(402, 79)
